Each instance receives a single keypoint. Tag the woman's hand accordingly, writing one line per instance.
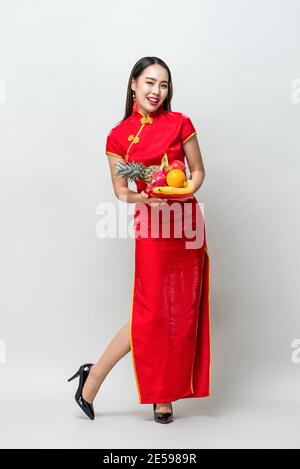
(186, 198)
(152, 200)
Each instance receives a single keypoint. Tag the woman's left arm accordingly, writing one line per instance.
(193, 155)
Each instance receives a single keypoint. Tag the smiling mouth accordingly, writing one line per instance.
(154, 102)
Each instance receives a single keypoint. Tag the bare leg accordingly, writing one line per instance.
(118, 347)
(164, 407)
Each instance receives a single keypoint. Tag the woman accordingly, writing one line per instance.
(169, 328)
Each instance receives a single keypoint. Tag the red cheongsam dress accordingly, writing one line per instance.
(170, 312)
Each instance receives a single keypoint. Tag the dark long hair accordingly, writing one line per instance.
(136, 71)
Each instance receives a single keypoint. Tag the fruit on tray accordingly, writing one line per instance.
(164, 179)
(164, 165)
(177, 164)
(158, 178)
(175, 181)
(175, 178)
(135, 171)
(187, 189)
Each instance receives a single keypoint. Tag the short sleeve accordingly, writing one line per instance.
(187, 129)
(113, 146)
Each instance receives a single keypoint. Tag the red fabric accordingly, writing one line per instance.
(170, 317)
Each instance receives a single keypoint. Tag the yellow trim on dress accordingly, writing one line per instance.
(114, 154)
(135, 138)
(210, 345)
(190, 136)
(202, 278)
(131, 341)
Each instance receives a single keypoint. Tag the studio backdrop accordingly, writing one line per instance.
(66, 290)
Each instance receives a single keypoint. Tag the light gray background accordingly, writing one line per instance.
(65, 292)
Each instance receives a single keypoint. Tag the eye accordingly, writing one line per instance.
(150, 83)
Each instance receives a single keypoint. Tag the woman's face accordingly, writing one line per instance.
(152, 83)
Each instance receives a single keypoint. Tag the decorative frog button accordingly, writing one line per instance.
(133, 139)
(146, 120)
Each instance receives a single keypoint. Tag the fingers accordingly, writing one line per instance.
(157, 201)
(152, 200)
(186, 198)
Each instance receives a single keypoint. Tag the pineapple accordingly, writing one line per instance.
(149, 172)
(135, 171)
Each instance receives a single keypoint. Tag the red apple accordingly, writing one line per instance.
(177, 164)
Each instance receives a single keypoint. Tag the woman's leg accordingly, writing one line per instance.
(164, 407)
(118, 347)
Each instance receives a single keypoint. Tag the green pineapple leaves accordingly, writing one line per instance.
(133, 171)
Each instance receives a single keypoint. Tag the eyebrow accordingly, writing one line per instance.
(163, 81)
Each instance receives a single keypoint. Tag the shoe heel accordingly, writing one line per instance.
(86, 407)
(74, 376)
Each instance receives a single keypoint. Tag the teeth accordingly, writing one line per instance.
(153, 100)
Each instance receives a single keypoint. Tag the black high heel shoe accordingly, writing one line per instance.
(83, 373)
(163, 417)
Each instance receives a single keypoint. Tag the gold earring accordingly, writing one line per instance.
(133, 95)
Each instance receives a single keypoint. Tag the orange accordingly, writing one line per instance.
(175, 178)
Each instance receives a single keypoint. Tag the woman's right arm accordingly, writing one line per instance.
(121, 189)
(120, 185)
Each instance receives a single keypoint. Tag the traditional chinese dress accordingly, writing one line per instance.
(170, 313)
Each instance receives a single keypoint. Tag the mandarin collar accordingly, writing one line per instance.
(152, 114)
